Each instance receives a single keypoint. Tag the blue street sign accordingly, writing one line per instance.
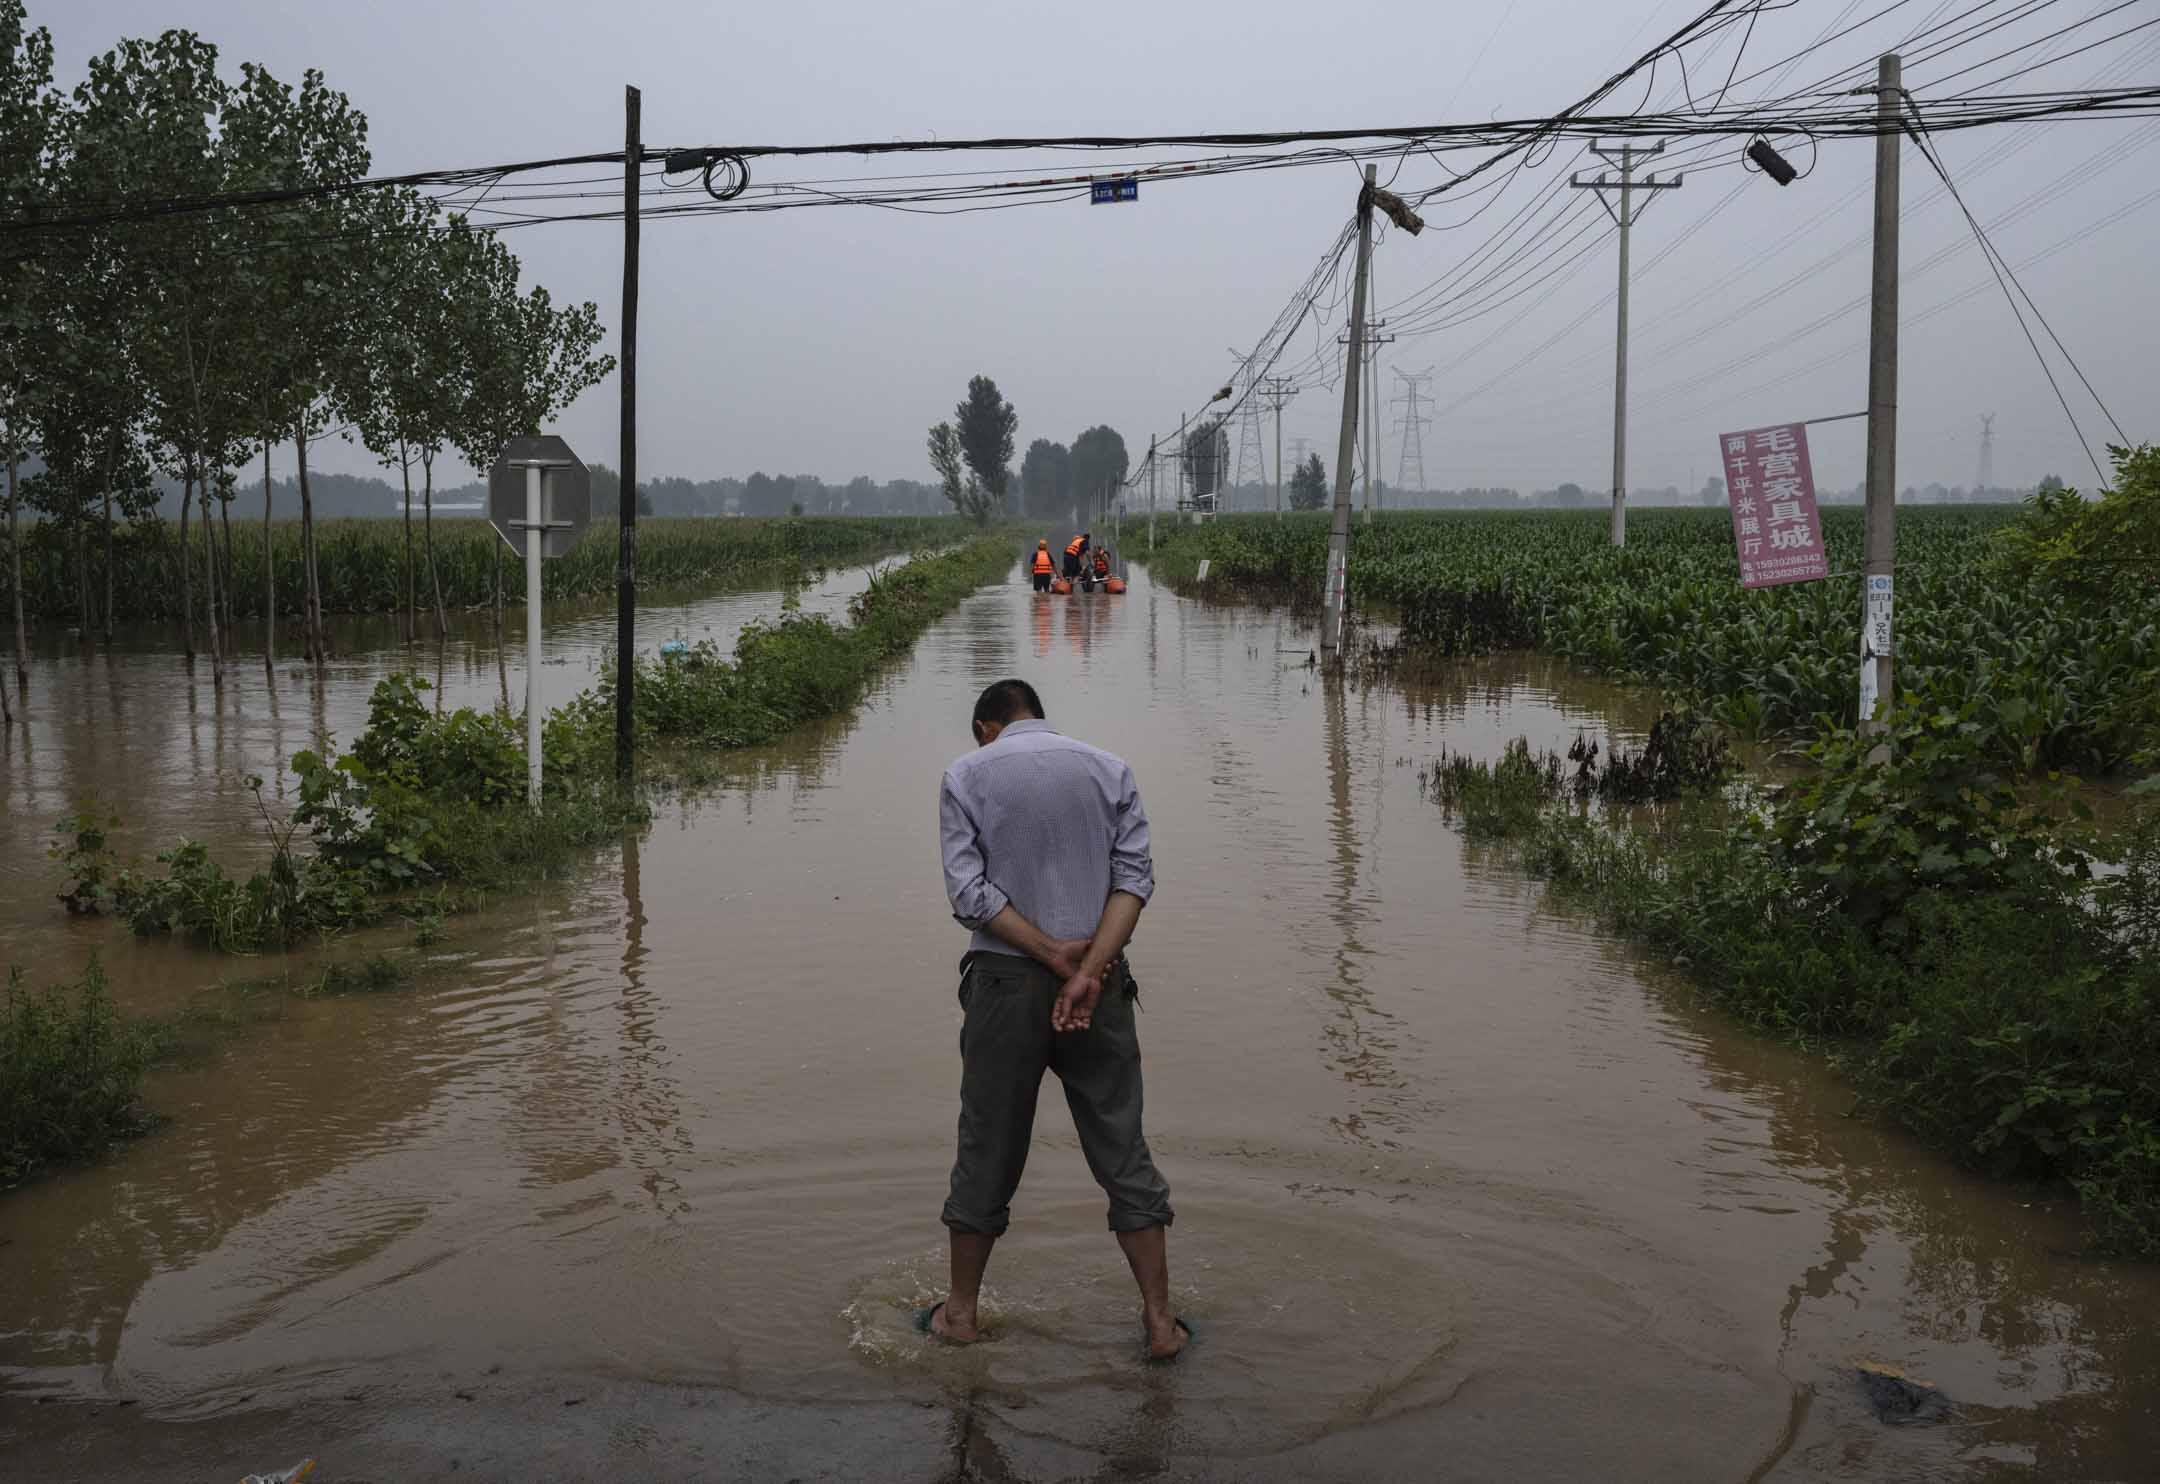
(1103, 192)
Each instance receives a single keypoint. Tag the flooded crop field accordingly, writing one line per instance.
(640, 1176)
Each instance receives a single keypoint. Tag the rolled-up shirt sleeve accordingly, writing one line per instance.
(975, 898)
(1132, 867)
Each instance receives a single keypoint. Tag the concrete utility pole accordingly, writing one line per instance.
(1151, 492)
(1372, 410)
(1371, 400)
(1278, 390)
(1875, 641)
(1626, 185)
(1338, 567)
(626, 502)
(1184, 460)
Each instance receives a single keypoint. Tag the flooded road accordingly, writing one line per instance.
(640, 1178)
(132, 727)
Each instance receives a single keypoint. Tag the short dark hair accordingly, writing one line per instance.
(1006, 701)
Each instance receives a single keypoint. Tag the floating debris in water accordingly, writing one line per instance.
(292, 1475)
(1898, 1398)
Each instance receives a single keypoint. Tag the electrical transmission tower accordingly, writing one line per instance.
(1410, 467)
(1987, 456)
(1251, 461)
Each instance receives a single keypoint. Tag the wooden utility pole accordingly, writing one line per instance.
(1875, 643)
(1338, 567)
(1626, 185)
(626, 503)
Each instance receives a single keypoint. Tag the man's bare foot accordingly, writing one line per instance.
(954, 1327)
(1166, 1337)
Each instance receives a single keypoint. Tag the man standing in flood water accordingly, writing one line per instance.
(1045, 850)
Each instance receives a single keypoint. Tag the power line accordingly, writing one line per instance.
(2005, 276)
(2024, 136)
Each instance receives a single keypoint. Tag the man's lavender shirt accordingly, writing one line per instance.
(1051, 825)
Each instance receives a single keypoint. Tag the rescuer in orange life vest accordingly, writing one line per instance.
(1075, 552)
(1098, 571)
(1044, 568)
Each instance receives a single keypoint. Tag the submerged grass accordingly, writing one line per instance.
(1999, 998)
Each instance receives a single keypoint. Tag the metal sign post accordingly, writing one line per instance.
(555, 508)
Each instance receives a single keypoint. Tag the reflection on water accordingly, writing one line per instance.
(1457, 1177)
(132, 726)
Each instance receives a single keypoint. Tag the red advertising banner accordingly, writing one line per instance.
(1776, 528)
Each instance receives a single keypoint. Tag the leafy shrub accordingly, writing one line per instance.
(85, 853)
(464, 756)
(2091, 546)
(1916, 809)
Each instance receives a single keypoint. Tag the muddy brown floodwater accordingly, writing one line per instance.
(640, 1178)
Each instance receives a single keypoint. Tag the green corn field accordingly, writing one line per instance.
(362, 562)
(2054, 682)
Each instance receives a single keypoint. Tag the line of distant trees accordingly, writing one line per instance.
(346, 496)
(152, 337)
(365, 496)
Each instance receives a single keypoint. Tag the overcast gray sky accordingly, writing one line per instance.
(824, 341)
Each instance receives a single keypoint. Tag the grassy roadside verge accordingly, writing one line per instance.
(1979, 966)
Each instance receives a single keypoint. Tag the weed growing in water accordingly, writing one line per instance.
(70, 1074)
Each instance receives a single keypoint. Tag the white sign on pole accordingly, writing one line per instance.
(539, 500)
(1874, 639)
(1879, 597)
(1337, 596)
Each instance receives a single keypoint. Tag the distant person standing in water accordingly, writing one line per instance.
(1045, 849)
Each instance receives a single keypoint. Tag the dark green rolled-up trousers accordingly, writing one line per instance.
(1006, 1044)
